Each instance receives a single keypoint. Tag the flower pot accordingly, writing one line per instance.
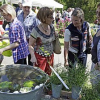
(76, 90)
(56, 90)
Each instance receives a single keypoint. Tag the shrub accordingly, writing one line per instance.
(61, 25)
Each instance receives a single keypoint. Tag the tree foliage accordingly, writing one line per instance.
(88, 6)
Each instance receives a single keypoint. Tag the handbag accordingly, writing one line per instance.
(56, 45)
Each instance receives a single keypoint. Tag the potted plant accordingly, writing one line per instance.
(77, 76)
(56, 84)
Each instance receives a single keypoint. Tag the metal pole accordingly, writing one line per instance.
(59, 78)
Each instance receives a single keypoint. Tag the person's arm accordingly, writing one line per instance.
(66, 46)
(10, 47)
(32, 42)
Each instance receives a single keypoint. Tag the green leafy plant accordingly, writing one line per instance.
(97, 87)
(3, 44)
(5, 85)
(55, 80)
(77, 76)
(89, 93)
(29, 83)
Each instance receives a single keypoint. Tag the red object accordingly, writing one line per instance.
(42, 63)
(38, 41)
(1, 30)
(1, 22)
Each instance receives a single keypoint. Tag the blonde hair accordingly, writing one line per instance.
(8, 9)
(43, 13)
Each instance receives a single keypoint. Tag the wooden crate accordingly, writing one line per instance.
(65, 95)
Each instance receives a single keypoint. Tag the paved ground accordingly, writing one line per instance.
(58, 59)
(7, 60)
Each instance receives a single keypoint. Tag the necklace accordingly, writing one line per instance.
(44, 29)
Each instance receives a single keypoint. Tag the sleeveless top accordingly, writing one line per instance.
(78, 38)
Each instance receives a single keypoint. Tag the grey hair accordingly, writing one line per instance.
(78, 12)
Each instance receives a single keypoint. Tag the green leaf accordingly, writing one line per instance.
(28, 84)
(4, 85)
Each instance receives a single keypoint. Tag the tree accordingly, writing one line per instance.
(88, 7)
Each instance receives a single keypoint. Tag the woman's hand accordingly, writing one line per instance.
(66, 64)
(33, 60)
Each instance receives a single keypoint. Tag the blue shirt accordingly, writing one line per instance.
(29, 22)
(17, 34)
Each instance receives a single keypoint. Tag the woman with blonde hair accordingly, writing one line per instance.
(18, 42)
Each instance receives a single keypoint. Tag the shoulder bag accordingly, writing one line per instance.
(56, 45)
